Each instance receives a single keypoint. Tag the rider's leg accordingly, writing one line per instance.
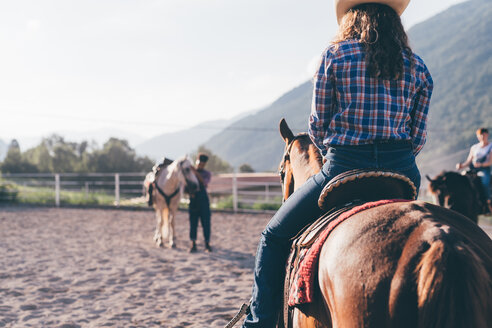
(300, 209)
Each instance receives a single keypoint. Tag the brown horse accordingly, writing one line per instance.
(409, 264)
(459, 193)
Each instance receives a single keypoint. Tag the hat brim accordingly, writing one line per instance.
(343, 6)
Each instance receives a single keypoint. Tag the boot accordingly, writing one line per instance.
(207, 247)
(193, 247)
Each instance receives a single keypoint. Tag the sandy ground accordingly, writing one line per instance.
(96, 268)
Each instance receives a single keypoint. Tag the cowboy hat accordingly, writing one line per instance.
(342, 6)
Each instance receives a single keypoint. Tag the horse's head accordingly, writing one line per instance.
(301, 160)
(187, 175)
(438, 188)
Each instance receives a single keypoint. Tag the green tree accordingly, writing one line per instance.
(215, 163)
(14, 162)
(118, 156)
(246, 168)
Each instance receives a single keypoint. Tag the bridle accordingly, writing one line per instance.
(286, 157)
(188, 182)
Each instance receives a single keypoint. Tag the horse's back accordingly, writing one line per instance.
(377, 269)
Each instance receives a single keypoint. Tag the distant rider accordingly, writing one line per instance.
(480, 159)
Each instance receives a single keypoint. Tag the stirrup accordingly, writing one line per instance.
(244, 310)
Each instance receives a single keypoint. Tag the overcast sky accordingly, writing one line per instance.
(150, 67)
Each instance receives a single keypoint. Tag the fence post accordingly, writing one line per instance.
(86, 190)
(57, 190)
(234, 190)
(117, 189)
(267, 192)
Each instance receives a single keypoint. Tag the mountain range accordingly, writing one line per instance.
(457, 48)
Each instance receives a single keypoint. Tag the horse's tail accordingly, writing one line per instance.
(454, 288)
(165, 225)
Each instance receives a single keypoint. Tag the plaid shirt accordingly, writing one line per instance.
(352, 108)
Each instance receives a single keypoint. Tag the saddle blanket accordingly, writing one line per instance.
(301, 287)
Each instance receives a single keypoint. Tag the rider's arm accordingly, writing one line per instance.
(322, 104)
(420, 110)
(467, 162)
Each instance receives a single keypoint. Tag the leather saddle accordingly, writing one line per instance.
(344, 192)
(366, 185)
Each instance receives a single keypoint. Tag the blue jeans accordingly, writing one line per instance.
(301, 209)
(200, 209)
(484, 174)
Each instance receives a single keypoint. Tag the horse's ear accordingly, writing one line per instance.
(285, 131)
(428, 178)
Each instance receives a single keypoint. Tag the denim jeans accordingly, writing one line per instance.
(200, 209)
(301, 209)
(484, 175)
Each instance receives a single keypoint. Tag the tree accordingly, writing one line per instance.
(246, 168)
(215, 163)
(118, 156)
(14, 163)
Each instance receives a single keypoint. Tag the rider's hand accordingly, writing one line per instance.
(458, 166)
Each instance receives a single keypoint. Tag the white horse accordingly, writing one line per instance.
(169, 183)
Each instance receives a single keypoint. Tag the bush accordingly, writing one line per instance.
(266, 206)
(8, 192)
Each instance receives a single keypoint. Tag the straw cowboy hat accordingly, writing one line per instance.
(342, 6)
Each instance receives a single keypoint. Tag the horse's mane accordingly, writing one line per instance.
(305, 142)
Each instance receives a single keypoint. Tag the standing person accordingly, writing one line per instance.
(369, 110)
(200, 205)
(480, 159)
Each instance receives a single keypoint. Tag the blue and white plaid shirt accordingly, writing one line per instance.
(352, 108)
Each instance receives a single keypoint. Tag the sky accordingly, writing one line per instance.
(147, 67)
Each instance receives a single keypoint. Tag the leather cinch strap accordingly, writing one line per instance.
(166, 197)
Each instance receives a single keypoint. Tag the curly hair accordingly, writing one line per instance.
(379, 29)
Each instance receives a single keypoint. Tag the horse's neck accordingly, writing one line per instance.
(169, 180)
(305, 166)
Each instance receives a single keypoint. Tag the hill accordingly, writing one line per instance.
(179, 143)
(255, 139)
(458, 54)
(456, 46)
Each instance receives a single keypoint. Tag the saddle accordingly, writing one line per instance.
(156, 170)
(345, 195)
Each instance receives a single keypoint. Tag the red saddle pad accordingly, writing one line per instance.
(301, 289)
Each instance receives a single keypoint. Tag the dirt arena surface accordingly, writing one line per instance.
(99, 268)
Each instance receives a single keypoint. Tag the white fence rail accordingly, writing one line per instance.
(243, 190)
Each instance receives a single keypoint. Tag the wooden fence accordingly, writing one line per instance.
(243, 189)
